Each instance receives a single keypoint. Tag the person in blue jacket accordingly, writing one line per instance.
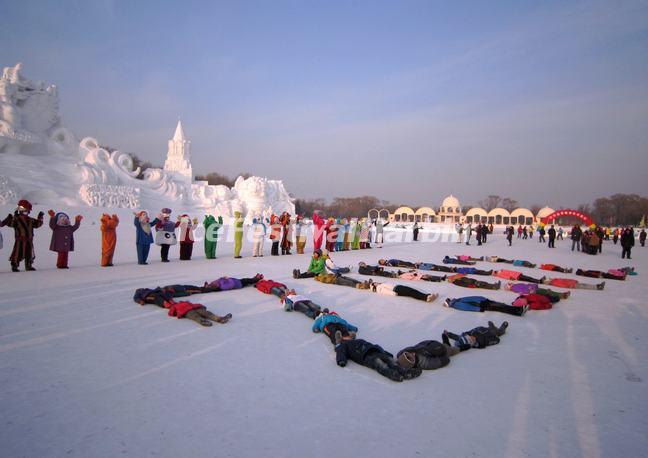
(472, 271)
(143, 235)
(483, 304)
(342, 228)
(330, 322)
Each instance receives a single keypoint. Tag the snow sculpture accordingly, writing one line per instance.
(43, 161)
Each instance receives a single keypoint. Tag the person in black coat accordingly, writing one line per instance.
(372, 356)
(509, 234)
(627, 242)
(552, 236)
(416, 231)
(426, 355)
(576, 234)
(479, 337)
(642, 237)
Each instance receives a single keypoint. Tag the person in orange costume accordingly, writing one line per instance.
(108, 238)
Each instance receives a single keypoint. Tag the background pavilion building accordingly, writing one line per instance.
(451, 212)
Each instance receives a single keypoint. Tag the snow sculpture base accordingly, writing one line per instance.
(41, 160)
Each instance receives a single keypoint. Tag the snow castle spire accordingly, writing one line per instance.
(178, 158)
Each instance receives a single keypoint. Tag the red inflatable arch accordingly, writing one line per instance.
(575, 213)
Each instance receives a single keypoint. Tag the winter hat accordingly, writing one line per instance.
(166, 211)
(60, 217)
(24, 205)
(406, 360)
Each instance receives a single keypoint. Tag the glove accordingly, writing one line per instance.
(78, 217)
(50, 212)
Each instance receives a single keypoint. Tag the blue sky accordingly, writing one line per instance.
(545, 102)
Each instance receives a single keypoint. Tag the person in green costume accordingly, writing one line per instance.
(238, 234)
(356, 235)
(212, 226)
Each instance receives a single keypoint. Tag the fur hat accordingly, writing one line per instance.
(24, 205)
(406, 360)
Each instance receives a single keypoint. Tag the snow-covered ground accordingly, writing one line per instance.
(84, 371)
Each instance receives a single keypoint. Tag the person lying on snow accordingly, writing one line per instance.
(163, 297)
(342, 281)
(457, 261)
(330, 323)
(331, 267)
(517, 276)
(271, 287)
(463, 257)
(467, 282)
(426, 355)
(534, 301)
(414, 275)
(293, 301)
(572, 284)
(473, 271)
(378, 271)
(533, 288)
(612, 274)
(229, 283)
(515, 262)
(372, 356)
(479, 337)
(555, 268)
(317, 266)
(398, 263)
(483, 304)
(390, 289)
(436, 267)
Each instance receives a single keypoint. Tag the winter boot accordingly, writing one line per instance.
(296, 273)
(338, 337)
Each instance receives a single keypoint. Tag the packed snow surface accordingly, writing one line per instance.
(87, 372)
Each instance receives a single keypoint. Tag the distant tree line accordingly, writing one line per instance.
(617, 210)
(352, 207)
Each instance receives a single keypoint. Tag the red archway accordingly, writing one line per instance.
(574, 213)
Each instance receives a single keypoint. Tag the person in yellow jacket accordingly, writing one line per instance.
(238, 234)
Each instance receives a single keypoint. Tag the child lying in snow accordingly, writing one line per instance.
(483, 304)
(572, 284)
(330, 323)
(293, 301)
(518, 276)
(164, 297)
(372, 356)
(555, 268)
(533, 288)
(402, 290)
(515, 262)
(479, 337)
(449, 260)
(612, 274)
(229, 283)
(467, 282)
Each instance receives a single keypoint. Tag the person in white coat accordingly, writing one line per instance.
(259, 230)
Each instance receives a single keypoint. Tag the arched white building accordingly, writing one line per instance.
(498, 216)
(425, 215)
(522, 216)
(476, 215)
(450, 212)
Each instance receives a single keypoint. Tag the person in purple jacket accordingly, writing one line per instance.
(229, 283)
(532, 288)
(62, 236)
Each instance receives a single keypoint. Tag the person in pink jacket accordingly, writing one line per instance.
(517, 276)
(318, 231)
